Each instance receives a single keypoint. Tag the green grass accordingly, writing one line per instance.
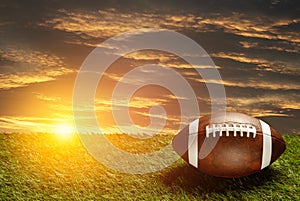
(43, 167)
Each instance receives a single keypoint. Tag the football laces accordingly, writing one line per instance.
(242, 130)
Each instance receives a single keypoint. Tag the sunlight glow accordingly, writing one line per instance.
(64, 130)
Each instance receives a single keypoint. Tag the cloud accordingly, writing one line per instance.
(90, 25)
(142, 102)
(255, 83)
(136, 102)
(264, 27)
(47, 98)
(25, 124)
(282, 67)
(265, 105)
(109, 22)
(256, 50)
(101, 24)
(60, 106)
(166, 59)
(262, 84)
(150, 55)
(28, 66)
(280, 46)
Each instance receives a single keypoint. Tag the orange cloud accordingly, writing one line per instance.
(135, 102)
(109, 22)
(166, 59)
(262, 85)
(262, 27)
(47, 98)
(263, 64)
(257, 84)
(264, 105)
(276, 100)
(104, 23)
(256, 45)
(31, 67)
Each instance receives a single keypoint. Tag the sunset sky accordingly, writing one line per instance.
(254, 44)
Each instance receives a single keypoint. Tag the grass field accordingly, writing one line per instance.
(44, 167)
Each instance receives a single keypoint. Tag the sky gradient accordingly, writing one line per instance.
(255, 44)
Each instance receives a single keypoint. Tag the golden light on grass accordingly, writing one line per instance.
(64, 130)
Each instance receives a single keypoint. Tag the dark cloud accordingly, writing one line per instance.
(286, 125)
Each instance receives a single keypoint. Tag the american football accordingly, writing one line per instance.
(229, 145)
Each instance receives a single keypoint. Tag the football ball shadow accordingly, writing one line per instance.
(190, 179)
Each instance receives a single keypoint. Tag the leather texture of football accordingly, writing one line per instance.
(229, 145)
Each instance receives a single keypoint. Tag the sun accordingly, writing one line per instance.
(64, 130)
